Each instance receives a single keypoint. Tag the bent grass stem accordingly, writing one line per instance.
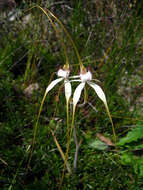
(65, 30)
(55, 29)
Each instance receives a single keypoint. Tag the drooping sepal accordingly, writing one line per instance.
(77, 93)
(52, 84)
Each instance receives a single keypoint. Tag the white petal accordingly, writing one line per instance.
(86, 76)
(77, 93)
(68, 89)
(52, 84)
(101, 95)
(98, 91)
(63, 73)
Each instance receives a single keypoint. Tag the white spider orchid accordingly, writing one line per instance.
(86, 78)
(63, 74)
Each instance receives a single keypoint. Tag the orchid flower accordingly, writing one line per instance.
(86, 78)
(63, 75)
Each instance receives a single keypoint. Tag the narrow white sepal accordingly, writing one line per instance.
(77, 93)
(99, 92)
(74, 77)
(52, 84)
(75, 80)
(68, 89)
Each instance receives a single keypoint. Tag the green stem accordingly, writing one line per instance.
(68, 35)
(67, 110)
(65, 30)
(56, 30)
(68, 146)
(61, 152)
(113, 128)
(35, 130)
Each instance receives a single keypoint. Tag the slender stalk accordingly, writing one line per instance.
(56, 30)
(113, 128)
(68, 35)
(68, 146)
(65, 30)
(57, 99)
(85, 95)
(68, 128)
(67, 111)
(35, 130)
(68, 134)
(61, 152)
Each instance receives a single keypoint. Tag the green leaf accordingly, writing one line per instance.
(97, 144)
(138, 147)
(126, 158)
(132, 136)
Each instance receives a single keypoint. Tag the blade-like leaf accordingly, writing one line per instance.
(77, 93)
(68, 89)
(52, 84)
(98, 91)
